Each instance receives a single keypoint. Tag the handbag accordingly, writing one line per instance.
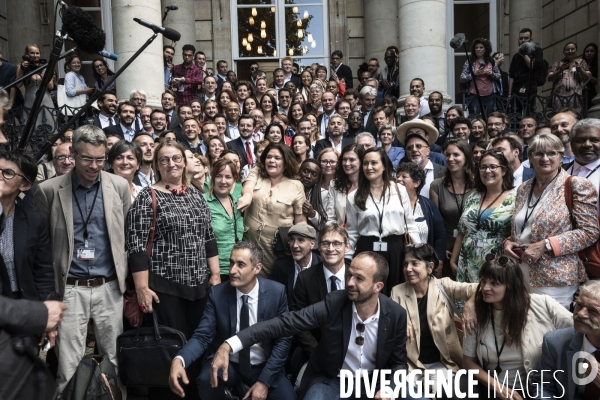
(590, 256)
(145, 354)
(69, 103)
(131, 307)
(94, 379)
(281, 246)
(407, 238)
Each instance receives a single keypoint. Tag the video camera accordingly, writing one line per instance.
(32, 64)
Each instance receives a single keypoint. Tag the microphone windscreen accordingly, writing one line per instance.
(527, 48)
(81, 27)
(171, 34)
(458, 40)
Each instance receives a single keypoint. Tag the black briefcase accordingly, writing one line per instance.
(145, 354)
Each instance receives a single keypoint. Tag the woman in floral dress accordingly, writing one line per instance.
(486, 219)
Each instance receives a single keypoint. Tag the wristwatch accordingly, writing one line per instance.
(548, 246)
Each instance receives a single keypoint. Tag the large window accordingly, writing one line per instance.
(476, 19)
(273, 29)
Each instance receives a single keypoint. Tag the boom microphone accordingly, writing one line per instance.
(166, 32)
(527, 48)
(458, 40)
(81, 27)
(108, 54)
(172, 8)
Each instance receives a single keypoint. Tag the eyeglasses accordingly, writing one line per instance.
(328, 162)
(336, 245)
(63, 158)
(501, 260)
(360, 328)
(177, 158)
(90, 161)
(9, 174)
(538, 155)
(416, 146)
(158, 119)
(491, 167)
(355, 118)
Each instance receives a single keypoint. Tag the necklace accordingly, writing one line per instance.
(180, 192)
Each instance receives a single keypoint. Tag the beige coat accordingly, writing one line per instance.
(439, 320)
(54, 200)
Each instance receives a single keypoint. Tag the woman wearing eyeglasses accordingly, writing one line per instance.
(102, 74)
(543, 237)
(511, 323)
(433, 342)
(485, 221)
(379, 214)
(175, 279)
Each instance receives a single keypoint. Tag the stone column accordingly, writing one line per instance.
(594, 112)
(524, 14)
(381, 28)
(146, 72)
(23, 26)
(183, 21)
(422, 42)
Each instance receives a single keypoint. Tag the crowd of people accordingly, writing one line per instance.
(293, 231)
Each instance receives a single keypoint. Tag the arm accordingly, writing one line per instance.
(352, 212)
(331, 204)
(43, 269)
(195, 78)
(23, 316)
(496, 75)
(410, 224)
(249, 184)
(556, 71)
(459, 290)
(71, 85)
(299, 217)
(212, 250)
(456, 252)
(465, 76)
(439, 233)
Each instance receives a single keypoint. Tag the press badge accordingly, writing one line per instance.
(479, 243)
(86, 253)
(380, 246)
(455, 233)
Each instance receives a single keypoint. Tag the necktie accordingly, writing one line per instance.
(168, 121)
(591, 390)
(110, 121)
(245, 323)
(333, 281)
(249, 153)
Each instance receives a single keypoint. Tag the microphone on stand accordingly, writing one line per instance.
(166, 32)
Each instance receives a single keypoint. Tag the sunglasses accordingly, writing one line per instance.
(360, 328)
(501, 260)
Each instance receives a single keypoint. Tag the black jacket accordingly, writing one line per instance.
(238, 146)
(345, 72)
(436, 233)
(325, 143)
(284, 271)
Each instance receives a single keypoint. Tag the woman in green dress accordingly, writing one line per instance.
(486, 219)
(227, 221)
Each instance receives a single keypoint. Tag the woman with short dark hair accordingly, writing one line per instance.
(102, 74)
(124, 159)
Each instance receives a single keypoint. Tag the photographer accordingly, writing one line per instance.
(31, 61)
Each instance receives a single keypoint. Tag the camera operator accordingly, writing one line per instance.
(31, 61)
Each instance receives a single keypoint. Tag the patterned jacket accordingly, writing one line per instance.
(562, 267)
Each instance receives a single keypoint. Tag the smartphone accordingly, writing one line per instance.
(519, 251)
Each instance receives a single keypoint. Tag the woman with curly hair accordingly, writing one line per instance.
(486, 74)
(225, 97)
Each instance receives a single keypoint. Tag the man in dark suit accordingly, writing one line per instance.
(511, 147)
(244, 145)
(107, 103)
(328, 103)
(287, 64)
(301, 239)
(232, 306)
(368, 96)
(360, 329)
(125, 129)
(561, 352)
(340, 70)
(335, 136)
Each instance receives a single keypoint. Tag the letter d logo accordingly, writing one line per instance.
(579, 366)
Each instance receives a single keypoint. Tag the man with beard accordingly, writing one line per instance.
(511, 148)
(354, 124)
(428, 131)
(561, 125)
(168, 53)
(191, 131)
(561, 352)
(373, 66)
(108, 107)
(138, 99)
(184, 112)
(417, 88)
(125, 129)
(244, 145)
(585, 143)
(335, 139)
(167, 100)
(328, 103)
(417, 151)
(145, 175)
(158, 118)
(496, 124)
(360, 329)
(436, 111)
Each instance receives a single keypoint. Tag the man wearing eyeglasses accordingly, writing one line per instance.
(138, 99)
(339, 70)
(496, 124)
(417, 151)
(85, 211)
(361, 330)
(63, 159)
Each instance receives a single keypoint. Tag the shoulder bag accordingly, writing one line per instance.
(407, 238)
(131, 307)
(590, 256)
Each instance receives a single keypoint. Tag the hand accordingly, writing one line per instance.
(55, 314)
(177, 372)
(52, 338)
(448, 255)
(308, 209)
(220, 362)
(469, 319)
(438, 271)
(509, 245)
(488, 72)
(244, 202)
(145, 297)
(385, 84)
(24, 64)
(215, 279)
(335, 77)
(89, 90)
(478, 72)
(453, 267)
(258, 391)
(409, 334)
(378, 396)
(533, 252)
(316, 104)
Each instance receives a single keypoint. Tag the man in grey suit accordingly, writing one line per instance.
(562, 362)
(85, 211)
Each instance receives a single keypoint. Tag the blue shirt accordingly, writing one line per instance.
(102, 265)
(74, 82)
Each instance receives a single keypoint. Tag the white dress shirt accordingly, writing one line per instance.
(424, 106)
(518, 176)
(585, 170)
(340, 275)
(257, 353)
(128, 134)
(298, 268)
(428, 179)
(106, 121)
(337, 147)
(234, 133)
(359, 358)
(324, 124)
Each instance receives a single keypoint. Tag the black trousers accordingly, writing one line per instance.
(394, 256)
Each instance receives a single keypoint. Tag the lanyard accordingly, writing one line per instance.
(527, 213)
(462, 200)
(480, 213)
(379, 213)
(233, 215)
(588, 175)
(86, 221)
(498, 352)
